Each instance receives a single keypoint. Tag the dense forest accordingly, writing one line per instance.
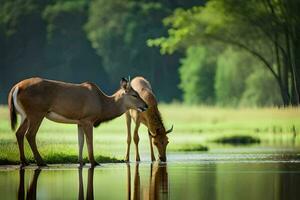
(217, 52)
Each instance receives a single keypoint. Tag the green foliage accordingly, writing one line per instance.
(118, 31)
(232, 70)
(11, 13)
(182, 25)
(63, 13)
(259, 27)
(67, 42)
(241, 81)
(197, 73)
(105, 28)
(190, 27)
(217, 21)
(101, 41)
(261, 90)
(49, 39)
(46, 39)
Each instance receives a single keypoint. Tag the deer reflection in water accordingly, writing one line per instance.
(156, 189)
(158, 183)
(31, 192)
(90, 184)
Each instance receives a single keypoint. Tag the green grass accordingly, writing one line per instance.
(198, 147)
(193, 125)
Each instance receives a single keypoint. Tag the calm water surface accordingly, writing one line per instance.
(215, 175)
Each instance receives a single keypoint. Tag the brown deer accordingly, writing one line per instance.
(90, 184)
(150, 118)
(32, 190)
(82, 104)
(158, 183)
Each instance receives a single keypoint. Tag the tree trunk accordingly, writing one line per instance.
(296, 69)
(291, 63)
(282, 63)
(284, 94)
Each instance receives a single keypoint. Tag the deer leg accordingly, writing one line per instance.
(88, 131)
(80, 144)
(128, 182)
(137, 183)
(90, 184)
(31, 192)
(34, 125)
(21, 190)
(20, 139)
(136, 140)
(151, 147)
(128, 123)
(81, 192)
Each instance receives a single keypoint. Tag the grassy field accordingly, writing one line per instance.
(193, 126)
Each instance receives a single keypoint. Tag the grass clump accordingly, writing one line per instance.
(238, 140)
(194, 148)
(61, 158)
(4, 161)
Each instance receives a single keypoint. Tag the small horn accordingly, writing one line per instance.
(170, 130)
(129, 78)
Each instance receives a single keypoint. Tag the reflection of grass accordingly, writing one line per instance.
(238, 139)
(193, 125)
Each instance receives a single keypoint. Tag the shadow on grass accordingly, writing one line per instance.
(238, 140)
(62, 159)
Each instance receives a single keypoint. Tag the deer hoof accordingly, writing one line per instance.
(41, 164)
(94, 164)
(24, 164)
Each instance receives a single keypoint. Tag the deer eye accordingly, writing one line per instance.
(135, 96)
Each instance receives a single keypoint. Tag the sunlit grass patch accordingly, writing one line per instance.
(193, 126)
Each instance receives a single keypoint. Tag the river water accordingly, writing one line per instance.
(237, 174)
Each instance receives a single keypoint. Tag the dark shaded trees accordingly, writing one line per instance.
(46, 38)
(49, 39)
(119, 30)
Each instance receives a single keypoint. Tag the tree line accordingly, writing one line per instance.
(79, 40)
(217, 52)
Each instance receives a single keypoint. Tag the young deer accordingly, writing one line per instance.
(82, 104)
(150, 118)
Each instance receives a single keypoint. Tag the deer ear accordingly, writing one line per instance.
(124, 83)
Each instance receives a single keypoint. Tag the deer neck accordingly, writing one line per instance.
(154, 119)
(112, 107)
